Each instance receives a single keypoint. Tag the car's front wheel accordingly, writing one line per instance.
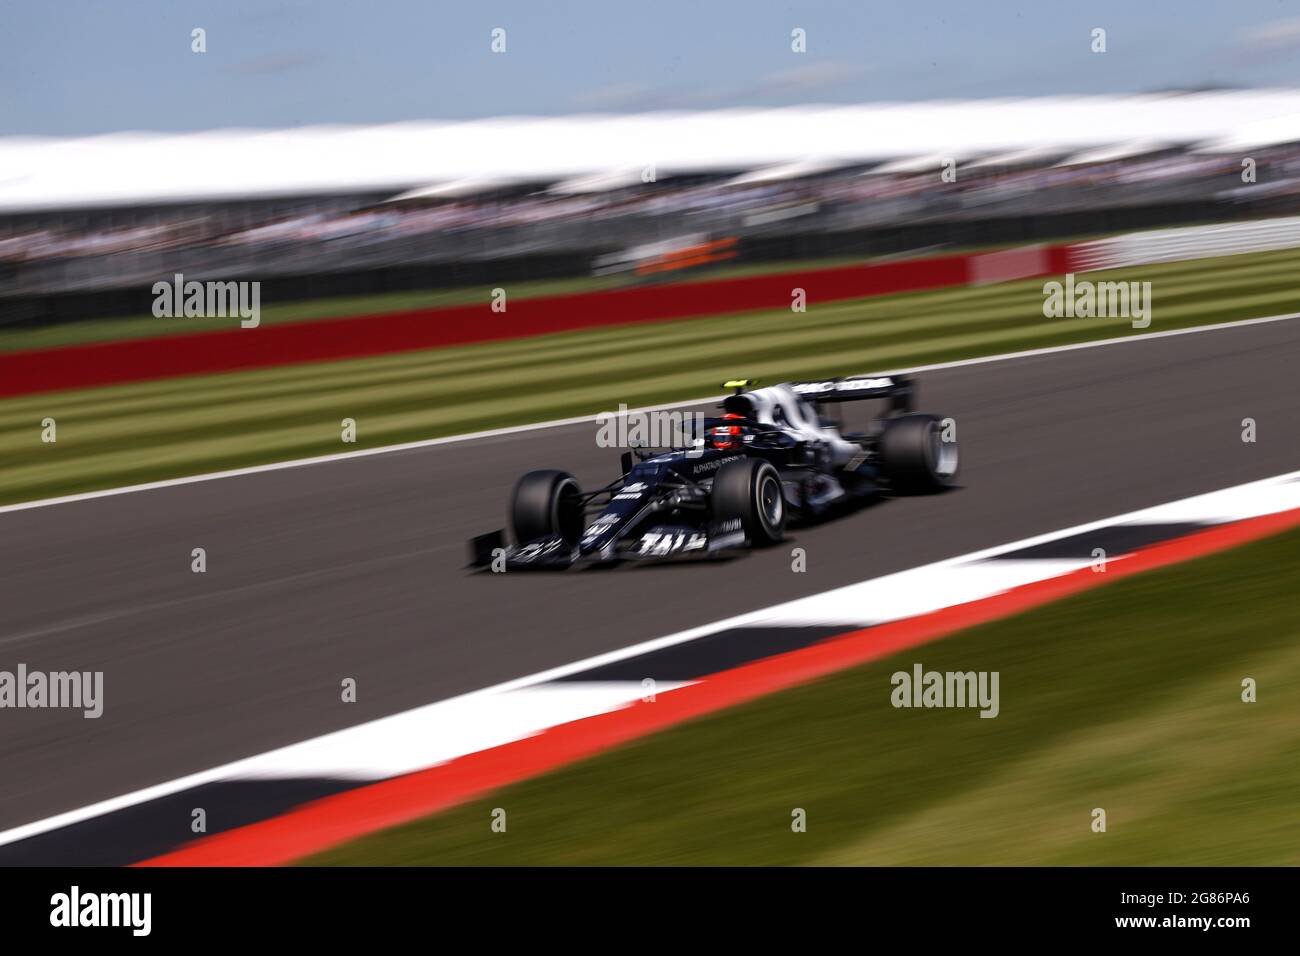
(919, 454)
(547, 503)
(749, 492)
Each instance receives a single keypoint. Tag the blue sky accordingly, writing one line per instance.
(91, 66)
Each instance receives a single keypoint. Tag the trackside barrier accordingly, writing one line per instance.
(198, 353)
(1192, 242)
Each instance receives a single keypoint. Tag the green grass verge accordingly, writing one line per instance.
(152, 430)
(1127, 698)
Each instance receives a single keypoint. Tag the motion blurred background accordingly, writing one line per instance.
(87, 225)
(328, 151)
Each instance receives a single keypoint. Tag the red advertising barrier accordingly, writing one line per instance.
(133, 360)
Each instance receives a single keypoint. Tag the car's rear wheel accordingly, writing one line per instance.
(749, 491)
(918, 454)
(547, 503)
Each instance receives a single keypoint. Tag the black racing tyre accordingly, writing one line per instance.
(914, 456)
(750, 490)
(546, 503)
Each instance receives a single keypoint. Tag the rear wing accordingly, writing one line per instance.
(899, 389)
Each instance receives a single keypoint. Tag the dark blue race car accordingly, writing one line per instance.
(776, 454)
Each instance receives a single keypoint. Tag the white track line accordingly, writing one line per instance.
(559, 423)
(1279, 493)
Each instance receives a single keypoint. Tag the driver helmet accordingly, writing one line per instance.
(726, 436)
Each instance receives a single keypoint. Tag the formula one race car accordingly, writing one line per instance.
(733, 481)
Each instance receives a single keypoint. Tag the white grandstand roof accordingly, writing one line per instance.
(1113, 152)
(457, 188)
(782, 172)
(600, 182)
(132, 168)
(1258, 134)
(1016, 157)
(918, 164)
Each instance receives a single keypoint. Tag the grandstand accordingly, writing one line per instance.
(335, 209)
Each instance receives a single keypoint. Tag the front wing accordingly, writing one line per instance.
(658, 542)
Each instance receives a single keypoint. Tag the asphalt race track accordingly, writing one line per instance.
(354, 568)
